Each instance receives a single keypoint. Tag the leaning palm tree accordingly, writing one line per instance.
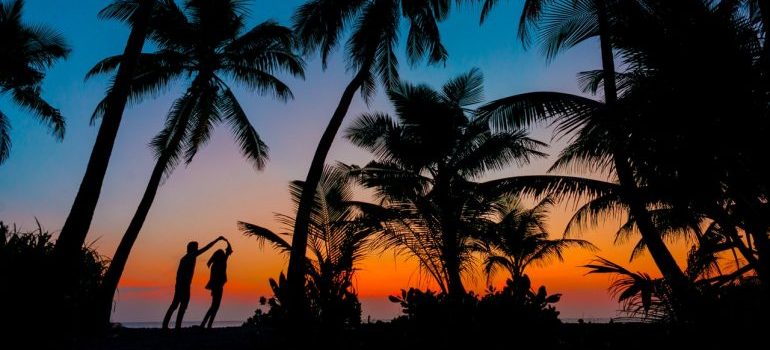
(428, 161)
(26, 52)
(518, 239)
(224, 51)
(370, 52)
(559, 25)
(337, 242)
(75, 229)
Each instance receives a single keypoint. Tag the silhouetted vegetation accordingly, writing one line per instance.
(431, 317)
(26, 53)
(337, 242)
(429, 203)
(26, 257)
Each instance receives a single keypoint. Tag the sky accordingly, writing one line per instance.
(207, 198)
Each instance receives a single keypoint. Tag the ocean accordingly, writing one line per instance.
(185, 324)
(223, 324)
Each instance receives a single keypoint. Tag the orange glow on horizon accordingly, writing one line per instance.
(381, 274)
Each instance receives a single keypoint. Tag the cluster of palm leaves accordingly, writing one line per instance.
(26, 52)
(432, 204)
(337, 241)
(678, 134)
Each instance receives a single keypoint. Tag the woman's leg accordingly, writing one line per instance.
(206, 318)
(216, 299)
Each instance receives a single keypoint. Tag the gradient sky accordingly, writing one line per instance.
(207, 198)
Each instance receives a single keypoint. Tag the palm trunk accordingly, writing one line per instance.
(655, 245)
(455, 283)
(117, 265)
(296, 273)
(452, 261)
(762, 243)
(75, 229)
(106, 293)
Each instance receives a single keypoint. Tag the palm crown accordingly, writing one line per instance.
(204, 43)
(26, 52)
(518, 239)
(431, 208)
(320, 25)
(337, 242)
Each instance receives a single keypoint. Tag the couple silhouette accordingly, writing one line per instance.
(184, 274)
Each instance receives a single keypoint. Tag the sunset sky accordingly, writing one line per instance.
(219, 188)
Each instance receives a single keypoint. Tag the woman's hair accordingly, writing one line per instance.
(218, 257)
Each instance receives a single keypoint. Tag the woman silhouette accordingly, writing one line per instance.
(218, 266)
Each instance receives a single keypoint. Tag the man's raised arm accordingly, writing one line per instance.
(208, 246)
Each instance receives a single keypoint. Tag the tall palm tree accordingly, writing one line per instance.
(73, 234)
(26, 52)
(337, 242)
(427, 162)
(561, 24)
(205, 44)
(518, 239)
(370, 52)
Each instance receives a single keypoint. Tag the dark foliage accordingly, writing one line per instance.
(26, 257)
(431, 317)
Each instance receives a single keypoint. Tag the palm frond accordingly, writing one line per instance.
(168, 144)
(29, 98)
(424, 38)
(373, 40)
(523, 110)
(565, 23)
(252, 146)
(466, 89)
(5, 137)
(319, 24)
(265, 235)
(203, 118)
(557, 187)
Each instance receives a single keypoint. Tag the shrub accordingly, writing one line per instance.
(517, 307)
(26, 260)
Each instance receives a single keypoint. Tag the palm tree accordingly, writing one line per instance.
(337, 242)
(561, 24)
(518, 239)
(26, 52)
(73, 234)
(370, 52)
(224, 50)
(427, 161)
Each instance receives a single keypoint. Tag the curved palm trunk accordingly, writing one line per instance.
(75, 229)
(296, 273)
(106, 293)
(117, 265)
(655, 245)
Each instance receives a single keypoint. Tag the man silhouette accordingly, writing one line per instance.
(184, 275)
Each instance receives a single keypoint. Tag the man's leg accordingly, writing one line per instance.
(174, 305)
(184, 299)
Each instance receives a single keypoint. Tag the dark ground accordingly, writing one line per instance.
(384, 336)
